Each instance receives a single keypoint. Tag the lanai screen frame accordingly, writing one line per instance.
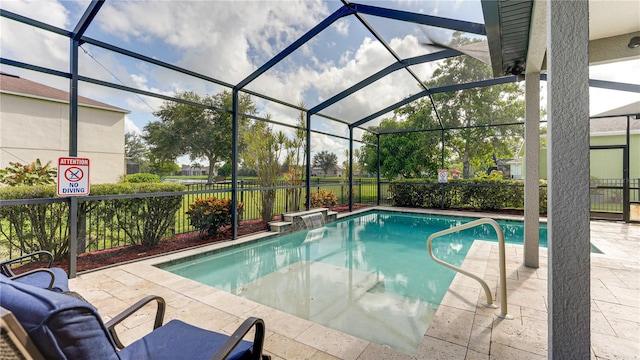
(77, 38)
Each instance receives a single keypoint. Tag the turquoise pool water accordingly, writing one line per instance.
(369, 275)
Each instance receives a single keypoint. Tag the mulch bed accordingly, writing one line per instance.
(102, 258)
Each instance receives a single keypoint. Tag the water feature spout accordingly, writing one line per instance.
(313, 220)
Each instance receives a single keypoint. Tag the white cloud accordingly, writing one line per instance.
(129, 126)
(341, 27)
(50, 12)
(225, 40)
(222, 39)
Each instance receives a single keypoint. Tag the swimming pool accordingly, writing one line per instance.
(369, 275)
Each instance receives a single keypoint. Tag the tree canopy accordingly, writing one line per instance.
(263, 150)
(408, 154)
(199, 132)
(136, 150)
(476, 114)
(325, 160)
(479, 107)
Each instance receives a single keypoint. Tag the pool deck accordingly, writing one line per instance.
(462, 328)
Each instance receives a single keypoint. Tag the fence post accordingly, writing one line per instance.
(241, 191)
(286, 200)
(73, 236)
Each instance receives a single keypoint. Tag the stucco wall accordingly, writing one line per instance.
(32, 128)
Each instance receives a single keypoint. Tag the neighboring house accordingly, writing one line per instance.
(335, 171)
(607, 164)
(188, 170)
(515, 169)
(34, 124)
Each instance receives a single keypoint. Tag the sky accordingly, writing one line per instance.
(228, 40)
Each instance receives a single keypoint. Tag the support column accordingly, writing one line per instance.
(568, 169)
(350, 169)
(234, 163)
(532, 170)
(307, 154)
(378, 167)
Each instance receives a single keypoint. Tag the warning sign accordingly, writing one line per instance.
(73, 176)
(443, 175)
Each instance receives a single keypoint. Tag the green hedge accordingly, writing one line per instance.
(45, 226)
(142, 178)
(477, 194)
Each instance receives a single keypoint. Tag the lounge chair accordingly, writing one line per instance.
(62, 327)
(50, 278)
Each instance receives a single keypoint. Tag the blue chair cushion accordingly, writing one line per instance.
(61, 327)
(42, 280)
(178, 340)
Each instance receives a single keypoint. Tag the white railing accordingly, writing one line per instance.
(503, 272)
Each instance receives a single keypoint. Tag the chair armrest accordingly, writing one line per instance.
(236, 337)
(6, 270)
(15, 342)
(111, 324)
(30, 272)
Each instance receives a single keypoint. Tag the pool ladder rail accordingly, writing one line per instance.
(503, 272)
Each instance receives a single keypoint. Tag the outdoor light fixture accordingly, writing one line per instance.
(634, 42)
(516, 69)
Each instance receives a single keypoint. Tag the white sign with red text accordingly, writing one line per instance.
(73, 176)
(443, 175)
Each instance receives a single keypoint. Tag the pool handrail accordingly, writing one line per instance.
(503, 272)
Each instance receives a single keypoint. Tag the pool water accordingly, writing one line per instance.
(369, 275)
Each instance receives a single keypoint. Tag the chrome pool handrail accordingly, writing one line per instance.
(503, 272)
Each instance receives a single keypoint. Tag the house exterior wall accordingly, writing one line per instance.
(607, 164)
(36, 128)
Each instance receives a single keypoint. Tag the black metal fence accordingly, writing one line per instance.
(44, 223)
(607, 195)
(32, 224)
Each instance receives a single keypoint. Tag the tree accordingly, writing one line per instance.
(356, 167)
(408, 154)
(134, 146)
(136, 150)
(263, 152)
(325, 160)
(475, 109)
(163, 167)
(411, 154)
(295, 162)
(225, 169)
(200, 133)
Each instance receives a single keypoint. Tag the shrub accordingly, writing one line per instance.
(543, 196)
(489, 194)
(34, 174)
(45, 226)
(408, 194)
(481, 193)
(142, 178)
(323, 198)
(36, 226)
(147, 220)
(210, 214)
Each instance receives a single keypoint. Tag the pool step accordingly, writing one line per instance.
(280, 226)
